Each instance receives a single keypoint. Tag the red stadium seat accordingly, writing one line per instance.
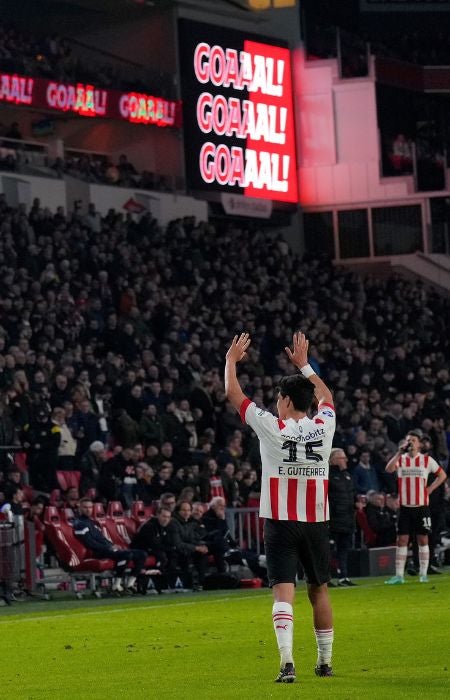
(69, 550)
(68, 480)
(99, 515)
(138, 512)
(116, 524)
(67, 516)
(370, 537)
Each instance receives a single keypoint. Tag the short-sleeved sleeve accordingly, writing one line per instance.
(262, 422)
(326, 415)
(433, 466)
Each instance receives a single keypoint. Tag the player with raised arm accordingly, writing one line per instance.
(294, 494)
(413, 469)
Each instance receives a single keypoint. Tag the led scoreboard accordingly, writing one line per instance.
(237, 113)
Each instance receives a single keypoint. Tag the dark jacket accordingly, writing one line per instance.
(91, 536)
(341, 496)
(90, 471)
(156, 539)
(189, 534)
(382, 522)
(216, 529)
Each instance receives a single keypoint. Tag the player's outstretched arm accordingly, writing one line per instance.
(236, 353)
(299, 357)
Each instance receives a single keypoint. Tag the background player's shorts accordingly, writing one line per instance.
(414, 520)
(289, 543)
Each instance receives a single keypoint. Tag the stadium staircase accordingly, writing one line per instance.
(433, 269)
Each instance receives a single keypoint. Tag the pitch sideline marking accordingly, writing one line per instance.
(131, 607)
(128, 608)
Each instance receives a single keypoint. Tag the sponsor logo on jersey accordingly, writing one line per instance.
(325, 412)
(319, 432)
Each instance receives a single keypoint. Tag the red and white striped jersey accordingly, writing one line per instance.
(413, 475)
(294, 457)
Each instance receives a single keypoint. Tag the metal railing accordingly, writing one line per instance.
(245, 527)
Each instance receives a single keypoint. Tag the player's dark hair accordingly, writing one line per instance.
(300, 391)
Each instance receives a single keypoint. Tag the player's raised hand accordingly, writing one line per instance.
(238, 348)
(299, 355)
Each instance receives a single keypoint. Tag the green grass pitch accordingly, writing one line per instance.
(390, 642)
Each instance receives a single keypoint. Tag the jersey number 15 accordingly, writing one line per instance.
(309, 450)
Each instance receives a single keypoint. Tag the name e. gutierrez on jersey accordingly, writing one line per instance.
(298, 470)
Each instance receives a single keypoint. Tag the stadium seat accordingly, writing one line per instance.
(67, 516)
(138, 512)
(99, 515)
(71, 554)
(369, 535)
(20, 461)
(68, 480)
(116, 524)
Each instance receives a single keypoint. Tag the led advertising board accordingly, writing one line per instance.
(237, 113)
(88, 100)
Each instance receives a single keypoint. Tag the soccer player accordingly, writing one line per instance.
(294, 494)
(412, 469)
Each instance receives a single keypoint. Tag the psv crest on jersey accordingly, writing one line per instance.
(294, 456)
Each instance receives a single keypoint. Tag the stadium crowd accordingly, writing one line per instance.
(112, 337)
(102, 170)
(53, 57)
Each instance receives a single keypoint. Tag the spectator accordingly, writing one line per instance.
(191, 550)
(437, 509)
(68, 445)
(71, 499)
(150, 426)
(42, 439)
(381, 520)
(13, 479)
(88, 429)
(341, 495)
(162, 481)
(364, 475)
(144, 476)
(217, 537)
(15, 497)
(158, 537)
(211, 482)
(91, 466)
(230, 485)
(91, 537)
(168, 501)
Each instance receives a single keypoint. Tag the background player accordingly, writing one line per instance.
(413, 469)
(294, 494)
